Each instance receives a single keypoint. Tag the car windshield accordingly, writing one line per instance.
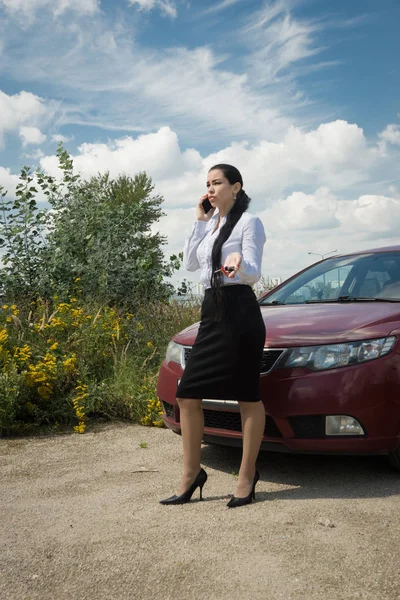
(364, 277)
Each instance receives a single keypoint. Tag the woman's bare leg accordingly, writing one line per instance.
(192, 427)
(253, 423)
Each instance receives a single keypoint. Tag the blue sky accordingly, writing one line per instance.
(302, 95)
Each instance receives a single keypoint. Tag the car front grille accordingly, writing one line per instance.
(268, 360)
(219, 419)
(186, 354)
(308, 426)
(304, 426)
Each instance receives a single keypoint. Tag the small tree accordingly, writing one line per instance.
(98, 234)
(23, 236)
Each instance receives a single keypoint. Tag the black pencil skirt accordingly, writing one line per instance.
(225, 361)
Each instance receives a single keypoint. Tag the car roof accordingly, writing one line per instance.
(384, 249)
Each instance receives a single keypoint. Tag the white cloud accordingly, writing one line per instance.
(61, 138)
(23, 110)
(220, 6)
(35, 155)
(31, 135)
(279, 42)
(8, 180)
(167, 7)
(301, 211)
(326, 214)
(373, 215)
(335, 154)
(157, 153)
(119, 83)
(391, 134)
(28, 8)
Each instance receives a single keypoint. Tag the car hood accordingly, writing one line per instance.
(312, 324)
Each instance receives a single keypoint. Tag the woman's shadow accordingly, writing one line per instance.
(306, 476)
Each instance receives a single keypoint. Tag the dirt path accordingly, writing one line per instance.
(80, 519)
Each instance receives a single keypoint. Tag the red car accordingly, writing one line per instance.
(330, 377)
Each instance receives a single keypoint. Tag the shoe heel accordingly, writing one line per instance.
(234, 502)
(186, 496)
(256, 478)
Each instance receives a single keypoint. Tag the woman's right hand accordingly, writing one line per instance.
(200, 214)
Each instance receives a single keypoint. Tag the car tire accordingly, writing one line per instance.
(394, 458)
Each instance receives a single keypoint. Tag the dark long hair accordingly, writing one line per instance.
(240, 206)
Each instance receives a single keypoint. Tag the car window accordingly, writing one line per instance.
(326, 285)
(373, 275)
(374, 282)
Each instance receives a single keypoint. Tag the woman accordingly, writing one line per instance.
(227, 245)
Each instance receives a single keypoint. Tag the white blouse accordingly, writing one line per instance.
(247, 237)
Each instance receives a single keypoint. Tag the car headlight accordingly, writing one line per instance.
(174, 353)
(332, 356)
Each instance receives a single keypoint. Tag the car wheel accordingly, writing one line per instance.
(394, 458)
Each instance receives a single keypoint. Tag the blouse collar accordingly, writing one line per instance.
(216, 216)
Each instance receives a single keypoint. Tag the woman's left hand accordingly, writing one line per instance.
(232, 260)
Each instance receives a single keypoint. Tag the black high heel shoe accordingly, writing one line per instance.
(184, 498)
(234, 502)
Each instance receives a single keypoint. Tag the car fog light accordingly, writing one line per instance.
(342, 425)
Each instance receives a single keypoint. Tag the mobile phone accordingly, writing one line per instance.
(207, 206)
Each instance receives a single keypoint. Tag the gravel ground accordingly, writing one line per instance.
(80, 519)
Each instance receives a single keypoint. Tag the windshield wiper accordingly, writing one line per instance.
(273, 303)
(351, 299)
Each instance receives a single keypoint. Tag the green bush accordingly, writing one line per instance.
(99, 231)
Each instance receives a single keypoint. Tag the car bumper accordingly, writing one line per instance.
(297, 402)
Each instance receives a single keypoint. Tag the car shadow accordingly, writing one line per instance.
(312, 476)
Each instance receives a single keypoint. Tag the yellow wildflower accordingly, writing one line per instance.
(57, 322)
(43, 373)
(45, 391)
(22, 354)
(69, 364)
(63, 307)
(78, 408)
